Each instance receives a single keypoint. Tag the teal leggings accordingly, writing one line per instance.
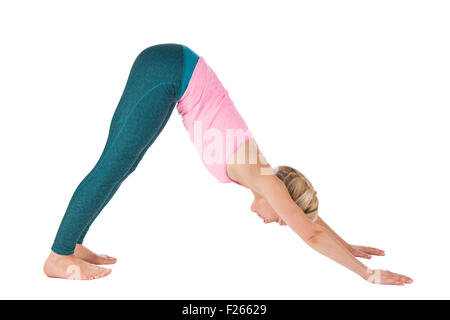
(157, 80)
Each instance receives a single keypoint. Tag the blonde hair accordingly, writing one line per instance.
(301, 190)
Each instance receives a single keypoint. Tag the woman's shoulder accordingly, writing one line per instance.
(248, 164)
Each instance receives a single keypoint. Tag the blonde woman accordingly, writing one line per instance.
(164, 76)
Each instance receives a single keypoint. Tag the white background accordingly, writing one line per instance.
(355, 94)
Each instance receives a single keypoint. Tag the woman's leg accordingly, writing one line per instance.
(116, 187)
(143, 125)
(146, 104)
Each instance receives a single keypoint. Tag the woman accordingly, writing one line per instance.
(161, 77)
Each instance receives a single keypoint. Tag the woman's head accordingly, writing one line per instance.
(301, 191)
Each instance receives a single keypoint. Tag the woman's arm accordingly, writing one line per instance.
(357, 251)
(322, 223)
(257, 177)
(316, 236)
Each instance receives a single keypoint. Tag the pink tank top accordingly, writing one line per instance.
(215, 126)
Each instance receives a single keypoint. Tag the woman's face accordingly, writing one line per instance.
(265, 211)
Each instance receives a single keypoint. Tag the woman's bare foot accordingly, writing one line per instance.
(71, 267)
(87, 255)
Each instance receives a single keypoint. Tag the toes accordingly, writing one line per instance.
(104, 273)
(101, 273)
(107, 259)
(110, 258)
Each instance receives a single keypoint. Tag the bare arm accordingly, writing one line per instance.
(322, 223)
(357, 251)
(315, 235)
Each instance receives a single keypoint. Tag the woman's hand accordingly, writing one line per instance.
(386, 277)
(365, 252)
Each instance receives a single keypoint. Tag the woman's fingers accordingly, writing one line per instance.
(370, 250)
(374, 251)
(362, 254)
(402, 278)
(399, 279)
(388, 278)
